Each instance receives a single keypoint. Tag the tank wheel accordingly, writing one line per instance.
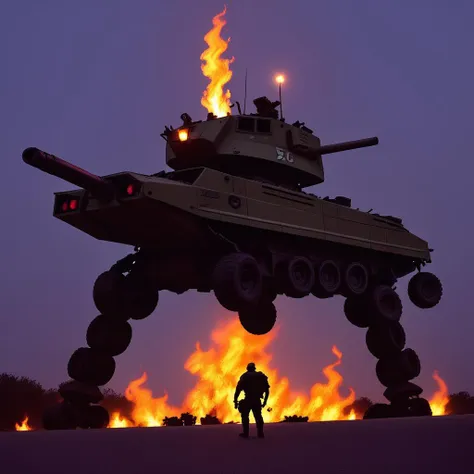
(425, 290)
(327, 279)
(91, 367)
(139, 298)
(93, 417)
(269, 292)
(378, 410)
(259, 319)
(419, 407)
(237, 281)
(357, 311)
(355, 280)
(59, 417)
(109, 335)
(78, 393)
(385, 304)
(399, 368)
(296, 277)
(107, 293)
(386, 339)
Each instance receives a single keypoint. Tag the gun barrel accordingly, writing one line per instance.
(63, 169)
(343, 146)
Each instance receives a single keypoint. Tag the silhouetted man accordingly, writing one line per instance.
(255, 386)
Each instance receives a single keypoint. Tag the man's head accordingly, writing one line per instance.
(251, 367)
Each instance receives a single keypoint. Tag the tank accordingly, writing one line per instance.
(232, 217)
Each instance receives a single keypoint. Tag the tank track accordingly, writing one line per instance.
(247, 284)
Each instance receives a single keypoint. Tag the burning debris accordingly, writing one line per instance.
(23, 426)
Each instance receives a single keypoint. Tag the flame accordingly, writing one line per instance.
(440, 399)
(216, 69)
(219, 369)
(24, 426)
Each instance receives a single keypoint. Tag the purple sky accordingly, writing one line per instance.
(96, 81)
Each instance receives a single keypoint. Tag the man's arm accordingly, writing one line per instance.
(238, 389)
(266, 393)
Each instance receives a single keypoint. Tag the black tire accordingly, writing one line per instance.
(385, 340)
(140, 298)
(357, 312)
(425, 290)
(107, 293)
(259, 319)
(296, 277)
(384, 304)
(91, 367)
(355, 280)
(327, 281)
(419, 407)
(59, 417)
(93, 417)
(109, 335)
(378, 410)
(237, 281)
(78, 393)
(399, 368)
(269, 293)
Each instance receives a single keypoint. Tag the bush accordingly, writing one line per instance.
(460, 403)
(295, 419)
(210, 420)
(116, 402)
(360, 406)
(172, 421)
(20, 397)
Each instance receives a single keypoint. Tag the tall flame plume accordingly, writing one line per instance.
(217, 69)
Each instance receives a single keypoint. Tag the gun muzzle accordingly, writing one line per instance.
(344, 146)
(68, 172)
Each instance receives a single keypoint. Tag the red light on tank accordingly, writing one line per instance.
(64, 206)
(73, 204)
(130, 189)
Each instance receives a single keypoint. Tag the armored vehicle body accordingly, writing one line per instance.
(232, 217)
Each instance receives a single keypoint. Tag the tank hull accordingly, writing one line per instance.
(218, 210)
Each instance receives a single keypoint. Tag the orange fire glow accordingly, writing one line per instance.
(217, 69)
(440, 399)
(218, 370)
(24, 426)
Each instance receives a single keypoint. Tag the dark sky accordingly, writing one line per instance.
(96, 81)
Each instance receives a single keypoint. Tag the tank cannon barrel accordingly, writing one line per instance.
(344, 146)
(68, 172)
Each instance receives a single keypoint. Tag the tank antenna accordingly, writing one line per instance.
(245, 92)
(280, 79)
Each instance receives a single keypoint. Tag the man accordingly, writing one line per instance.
(255, 386)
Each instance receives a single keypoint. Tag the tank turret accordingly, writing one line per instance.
(257, 146)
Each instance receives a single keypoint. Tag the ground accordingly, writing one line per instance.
(434, 445)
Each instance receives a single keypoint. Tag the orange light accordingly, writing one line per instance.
(130, 189)
(183, 135)
(73, 204)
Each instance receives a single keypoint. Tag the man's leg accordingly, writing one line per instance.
(257, 413)
(244, 409)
